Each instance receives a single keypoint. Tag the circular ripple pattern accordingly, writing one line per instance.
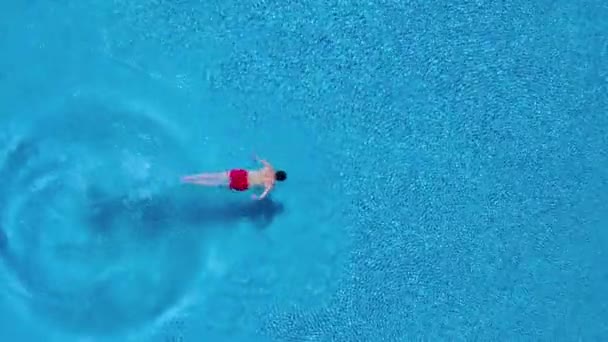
(87, 255)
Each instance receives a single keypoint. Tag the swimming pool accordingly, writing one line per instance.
(447, 170)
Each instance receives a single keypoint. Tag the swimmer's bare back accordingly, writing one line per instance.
(241, 179)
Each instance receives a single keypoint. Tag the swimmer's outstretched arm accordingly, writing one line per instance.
(263, 195)
(263, 161)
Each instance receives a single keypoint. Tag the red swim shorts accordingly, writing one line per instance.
(239, 180)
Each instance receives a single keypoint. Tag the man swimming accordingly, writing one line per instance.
(241, 179)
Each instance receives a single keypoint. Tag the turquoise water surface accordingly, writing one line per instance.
(447, 170)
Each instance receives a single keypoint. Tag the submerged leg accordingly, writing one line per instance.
(218, 178)
(204, 182)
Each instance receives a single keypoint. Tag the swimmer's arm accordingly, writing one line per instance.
(263, 161)
(264, 194)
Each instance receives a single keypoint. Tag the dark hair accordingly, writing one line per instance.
(280, 176)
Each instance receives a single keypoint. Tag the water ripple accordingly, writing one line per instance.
(91, 256)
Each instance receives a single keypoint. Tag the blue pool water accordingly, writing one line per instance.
(447, 170)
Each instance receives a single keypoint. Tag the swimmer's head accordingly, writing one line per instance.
(280, 175)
